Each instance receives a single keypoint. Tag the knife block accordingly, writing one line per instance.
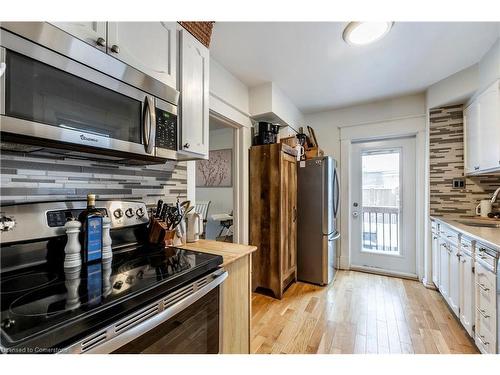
(158, 233)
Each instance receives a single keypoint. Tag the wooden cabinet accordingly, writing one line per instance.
(147, 46)
(193, 84)
(273, 217)
(92, 32)
(482, 131)
(466, 291)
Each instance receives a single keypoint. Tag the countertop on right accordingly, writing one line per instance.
(488, 236)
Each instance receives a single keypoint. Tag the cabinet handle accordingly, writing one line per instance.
(115, 48)
(482, 287)
(186, 145)
(476, 168)
(101, 42)
(480, 338)
(483, 313)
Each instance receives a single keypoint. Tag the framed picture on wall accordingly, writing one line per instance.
(217, 171)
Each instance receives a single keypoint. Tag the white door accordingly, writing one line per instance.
(194, 77)
(454, 286)
(444, 269)
(435, 258)
(471, 140)
(489, 128)
(466, 292)
(147, 46)
(383, 205)
(92, 32)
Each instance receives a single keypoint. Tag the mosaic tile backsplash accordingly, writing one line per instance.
(447, 163)
(28, 178)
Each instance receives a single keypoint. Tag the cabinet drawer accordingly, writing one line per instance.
(449, 235)
(465, 245)
(485, 338)
(485, 285)
(487, 256)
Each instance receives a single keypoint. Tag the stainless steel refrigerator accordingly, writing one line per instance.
(318, 206)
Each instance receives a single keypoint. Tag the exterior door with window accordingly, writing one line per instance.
(383, 183)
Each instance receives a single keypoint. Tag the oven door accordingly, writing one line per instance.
(187, 321)
(46, 96)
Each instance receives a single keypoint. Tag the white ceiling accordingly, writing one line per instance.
(311, 63)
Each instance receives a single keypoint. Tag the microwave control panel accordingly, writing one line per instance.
(166, 130)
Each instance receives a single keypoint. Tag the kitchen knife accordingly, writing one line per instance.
(158, 208)
(163, 212)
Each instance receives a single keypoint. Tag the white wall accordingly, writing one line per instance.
(489, 67)
(221, 197)
(269, 103)
(327, 124)
(229, 98)
(454, 89)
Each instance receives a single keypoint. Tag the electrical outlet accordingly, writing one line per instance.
(458, 183)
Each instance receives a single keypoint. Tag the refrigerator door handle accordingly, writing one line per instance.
(335, 237)
(337, 195)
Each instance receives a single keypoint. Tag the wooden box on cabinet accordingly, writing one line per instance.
(273, 217)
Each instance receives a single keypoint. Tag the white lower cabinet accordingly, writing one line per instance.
(454, 283)
(486, 305)
(467, 305)
(444, 261)
(435, 258)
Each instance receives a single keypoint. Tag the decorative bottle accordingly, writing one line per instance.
(91, 233)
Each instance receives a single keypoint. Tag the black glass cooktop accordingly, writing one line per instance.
(44, 310)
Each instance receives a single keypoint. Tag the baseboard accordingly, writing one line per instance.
(429, 285)
(379, 271)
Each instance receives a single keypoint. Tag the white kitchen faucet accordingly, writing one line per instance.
(495, 195)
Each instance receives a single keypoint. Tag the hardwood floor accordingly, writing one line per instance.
(358, 313)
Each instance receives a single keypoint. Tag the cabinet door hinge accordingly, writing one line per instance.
(473, 269)
(473, 328)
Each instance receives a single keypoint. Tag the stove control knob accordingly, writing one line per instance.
(129, 213)
(118, 213)
(140, 212)
(6, 223)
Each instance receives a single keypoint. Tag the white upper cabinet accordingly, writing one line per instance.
(147, 46)
(193, 85)
(482, 132)
(92, 32)
(489, 129)
(471, 138)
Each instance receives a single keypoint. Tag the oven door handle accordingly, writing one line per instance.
(115, 336)
(149, 124)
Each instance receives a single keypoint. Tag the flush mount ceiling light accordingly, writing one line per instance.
(359, 33)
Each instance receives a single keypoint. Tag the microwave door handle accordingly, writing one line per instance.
(149, 124)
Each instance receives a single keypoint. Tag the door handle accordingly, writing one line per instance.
(149, 124)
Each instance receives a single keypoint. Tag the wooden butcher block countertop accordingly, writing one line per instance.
(230, 251)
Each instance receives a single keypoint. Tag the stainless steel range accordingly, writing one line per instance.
(147, 299)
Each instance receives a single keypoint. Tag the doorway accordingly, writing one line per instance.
(383, 205)
(215, 182)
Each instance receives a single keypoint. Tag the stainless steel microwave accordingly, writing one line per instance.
(54, 96)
